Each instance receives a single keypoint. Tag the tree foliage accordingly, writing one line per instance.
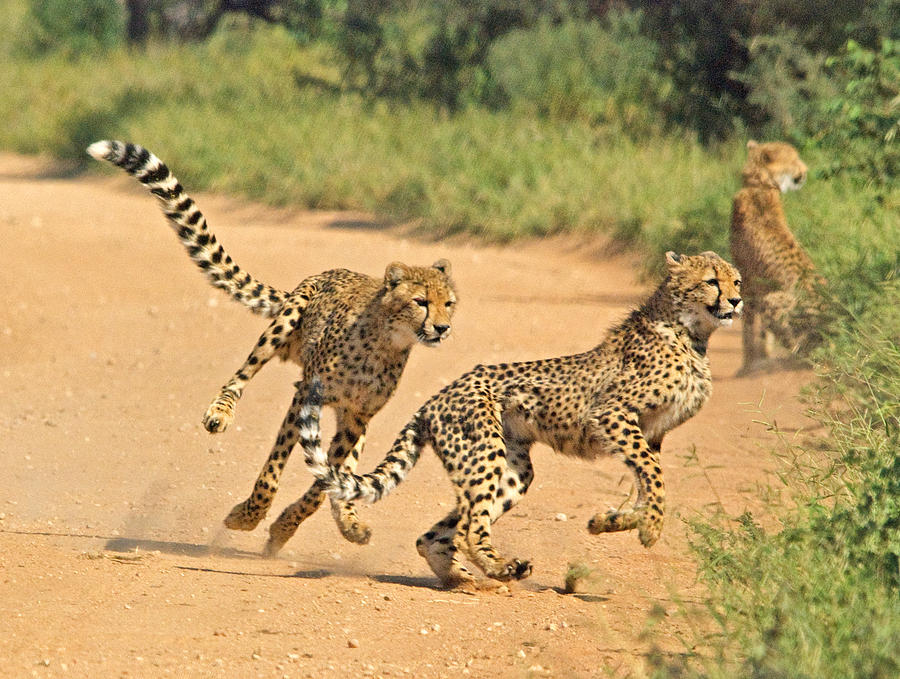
(863, 118)
(775, 68)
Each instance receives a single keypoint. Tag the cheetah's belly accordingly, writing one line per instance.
(566, 438)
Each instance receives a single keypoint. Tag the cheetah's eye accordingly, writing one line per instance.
(421, 301)
(449, 304)
(737, 284)
(713, 281)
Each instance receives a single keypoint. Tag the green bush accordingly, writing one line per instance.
(786, 85)
(817, 592)
(863, 120)
(819, 597)
(74, 27)
(598, 73)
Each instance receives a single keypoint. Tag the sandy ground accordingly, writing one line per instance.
(113, 558)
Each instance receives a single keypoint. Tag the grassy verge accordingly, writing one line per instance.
(819, 596)
(249, 113)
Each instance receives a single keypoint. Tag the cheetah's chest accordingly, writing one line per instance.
(683, 400)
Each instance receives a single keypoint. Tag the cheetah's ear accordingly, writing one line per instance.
(395, 273)
(709, 254)
(752, 144)
(442, 265)
(672, 259)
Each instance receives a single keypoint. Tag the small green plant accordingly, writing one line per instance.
(577, 575)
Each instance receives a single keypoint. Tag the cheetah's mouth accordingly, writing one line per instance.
(725, 316)
(430, 341)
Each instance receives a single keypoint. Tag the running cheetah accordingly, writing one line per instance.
(649, 375)
(353, 331)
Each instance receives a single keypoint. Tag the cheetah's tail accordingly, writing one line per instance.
(190, 225)
(343, 484)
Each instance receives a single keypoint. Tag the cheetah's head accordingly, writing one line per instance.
(774, 164)
(421, 301)
(705, 290)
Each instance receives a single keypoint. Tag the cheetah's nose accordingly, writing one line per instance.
(441, 329)
(734, 301)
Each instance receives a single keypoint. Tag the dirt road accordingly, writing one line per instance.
(113, 561)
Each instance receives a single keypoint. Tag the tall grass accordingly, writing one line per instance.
(820, 595)
(251, 113)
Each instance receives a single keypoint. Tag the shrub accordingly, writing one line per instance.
(599, 73)
(863, 119)
(73, 26)
(786, 84)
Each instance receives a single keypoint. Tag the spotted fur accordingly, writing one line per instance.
(780, 279)
(650, 374)
(353, 331)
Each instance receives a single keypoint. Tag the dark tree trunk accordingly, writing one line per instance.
(138, 26)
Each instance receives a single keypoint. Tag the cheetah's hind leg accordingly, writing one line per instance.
(494, 493)
(441, 547)
(220, 413)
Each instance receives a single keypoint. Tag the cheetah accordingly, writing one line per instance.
(353, 331)
(650, 374)
(779, 277)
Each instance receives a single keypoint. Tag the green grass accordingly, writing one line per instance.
(229, 115)
(820, 595)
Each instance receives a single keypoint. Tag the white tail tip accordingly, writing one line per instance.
(99, 149)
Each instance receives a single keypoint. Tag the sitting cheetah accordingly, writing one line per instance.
(779, 276)
(649, 375)
(353, 331)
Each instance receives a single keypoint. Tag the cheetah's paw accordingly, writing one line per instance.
(244, 516)
(649, 530)
(356, 532)
(219, 417)
(514, 569)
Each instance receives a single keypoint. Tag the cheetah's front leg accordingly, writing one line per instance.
(220, 413)
(617, 430)
(346, 447)
(246, 515)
